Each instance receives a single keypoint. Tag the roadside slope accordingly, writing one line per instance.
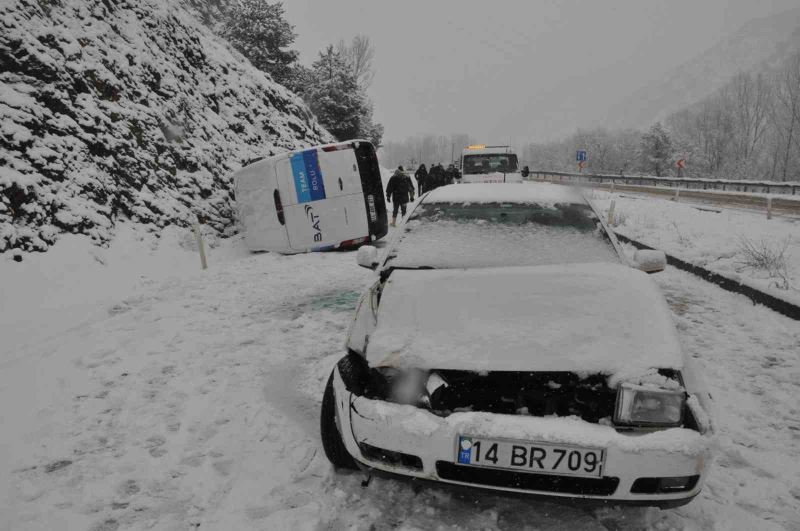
(131, 110)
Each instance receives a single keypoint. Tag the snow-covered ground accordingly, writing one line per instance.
(714, 238)
(152, 395)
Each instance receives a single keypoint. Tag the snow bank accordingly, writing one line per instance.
(129, 110)
(76, 281)
(713, 238)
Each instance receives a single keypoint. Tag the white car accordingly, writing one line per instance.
(509, 344)
(316, 199)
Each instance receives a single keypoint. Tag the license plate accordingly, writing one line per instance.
(373, 215)
(525, 456)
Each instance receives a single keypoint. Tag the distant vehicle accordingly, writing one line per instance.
(509, 344)
(316, 199)
(489, 164)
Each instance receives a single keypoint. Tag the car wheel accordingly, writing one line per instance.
(331, 438)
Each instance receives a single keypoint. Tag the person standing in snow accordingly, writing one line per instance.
(422, 177)
(452, 174)
(436, 177)
(399, 192)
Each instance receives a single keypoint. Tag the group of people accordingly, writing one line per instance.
(437, 176)
(400, 189)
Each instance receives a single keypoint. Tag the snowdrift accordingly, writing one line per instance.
(134, 110)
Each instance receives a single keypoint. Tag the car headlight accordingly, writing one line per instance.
(404, 386)
(646, 406)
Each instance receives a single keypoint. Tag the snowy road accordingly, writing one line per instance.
(193, 404)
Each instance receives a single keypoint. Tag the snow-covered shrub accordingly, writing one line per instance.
(127, 110)
(768, 256)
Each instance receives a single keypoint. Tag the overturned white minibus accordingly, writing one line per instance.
(316, 199)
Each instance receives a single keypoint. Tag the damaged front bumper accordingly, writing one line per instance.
(412, 442)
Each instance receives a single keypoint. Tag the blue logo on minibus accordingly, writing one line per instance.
(464, 450)
(307, 176)
(314, 174)
(300, 178)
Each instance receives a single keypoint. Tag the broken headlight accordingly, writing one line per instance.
(646, 406)
(407, 386)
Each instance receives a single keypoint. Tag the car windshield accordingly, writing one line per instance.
(490, 163)
(457, 235)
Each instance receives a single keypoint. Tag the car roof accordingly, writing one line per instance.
(525, 193)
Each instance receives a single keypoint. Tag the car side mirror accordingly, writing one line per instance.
(650, 260)
(367, 257)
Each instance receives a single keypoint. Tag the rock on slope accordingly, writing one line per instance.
(115, 109)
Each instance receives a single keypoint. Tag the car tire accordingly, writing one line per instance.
(332, 443)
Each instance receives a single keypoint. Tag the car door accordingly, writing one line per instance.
(324, 205)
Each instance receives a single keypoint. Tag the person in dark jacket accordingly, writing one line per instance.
(399, 192)
(436, 177)
(452, 174)
(422, 177)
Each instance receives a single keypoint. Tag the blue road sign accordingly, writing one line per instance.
(580, 156)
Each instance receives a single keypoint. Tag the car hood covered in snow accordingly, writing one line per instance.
(588, 318)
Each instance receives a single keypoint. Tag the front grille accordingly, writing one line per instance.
(604, 486)
(527, 393)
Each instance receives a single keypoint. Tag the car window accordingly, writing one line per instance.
(490, 163)
(454, 235)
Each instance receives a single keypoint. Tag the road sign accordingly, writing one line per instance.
(582, 164)
(680, 163)
(580, 156)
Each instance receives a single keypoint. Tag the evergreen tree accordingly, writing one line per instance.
(370, 130)
(656, 149)
(298, 78)
(334, 96)
(261, 33)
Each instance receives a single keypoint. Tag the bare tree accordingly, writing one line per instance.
(360, 55)
(787, 95)
(751, 105)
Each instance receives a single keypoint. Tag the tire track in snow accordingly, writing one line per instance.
(750, 357)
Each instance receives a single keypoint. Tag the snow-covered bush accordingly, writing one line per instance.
(769, 256)
(127, 110)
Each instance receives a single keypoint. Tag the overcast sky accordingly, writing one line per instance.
(469, 65)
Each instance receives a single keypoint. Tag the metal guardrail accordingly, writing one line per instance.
(691, 183)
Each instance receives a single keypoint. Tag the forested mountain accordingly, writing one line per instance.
(758, 43)
(115, 110)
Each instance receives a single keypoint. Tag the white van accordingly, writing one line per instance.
(316, 199)
(489, 164)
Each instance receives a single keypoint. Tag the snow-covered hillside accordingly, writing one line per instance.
(127, 110)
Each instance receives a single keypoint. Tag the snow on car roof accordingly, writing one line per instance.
(587, 318)
(540, 193)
